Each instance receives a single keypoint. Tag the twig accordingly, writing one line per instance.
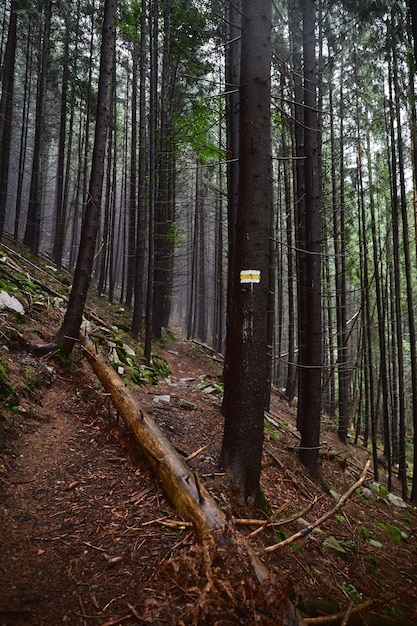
(328, 619)
(116, 620)
(90, 545)
(308, 529)
(282, 522)
(134, 611)
(196, 453)
(347, 614)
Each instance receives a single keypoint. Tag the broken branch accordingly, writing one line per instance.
(308, 529)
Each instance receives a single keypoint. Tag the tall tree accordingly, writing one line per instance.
(309, 314)
(6, 109)
(153, 126)
(246, 339)
(33, 222)
(68, 333)
(140, 236)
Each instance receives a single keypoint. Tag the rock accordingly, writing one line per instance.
(335, 495)
(129, 351)
(366, 492)
(11, 303)
(189, 406)
(375, 544)
(333, 545)
(303, 522)
(162, 398)
(397, 501)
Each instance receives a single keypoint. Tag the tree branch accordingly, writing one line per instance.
(308, 529)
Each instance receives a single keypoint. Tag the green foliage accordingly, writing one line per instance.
(30, 380)
(364, 533)
(373, 565)
(194, 128)
(129, 19)
(352, 593)
(3, 372)
(7, 394)
(270, 431)
(175, 234)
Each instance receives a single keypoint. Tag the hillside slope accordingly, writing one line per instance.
(86, 536)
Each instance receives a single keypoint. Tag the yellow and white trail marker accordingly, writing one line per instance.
(250, 276)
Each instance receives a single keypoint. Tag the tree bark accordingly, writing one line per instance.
(6, 109)
(32, 234)
(69, 330)
(310, 300)
(245, 370)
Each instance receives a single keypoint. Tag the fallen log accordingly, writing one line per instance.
(180, 484)
(183, 487)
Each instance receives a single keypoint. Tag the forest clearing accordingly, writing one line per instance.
(88, 537)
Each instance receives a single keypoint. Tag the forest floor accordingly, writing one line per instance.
(87, 537)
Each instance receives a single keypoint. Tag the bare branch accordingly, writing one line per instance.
(308, 529)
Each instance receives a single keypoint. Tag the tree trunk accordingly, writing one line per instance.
(153, 122)
(6, 109)
(402, 471)
(33, 222)
(60, 209)
(133, 191)
(68, 333)
(245, 371)
(141, 221)
(180, 484)
(310, 372)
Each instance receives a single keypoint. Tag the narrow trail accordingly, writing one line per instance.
(66, 492)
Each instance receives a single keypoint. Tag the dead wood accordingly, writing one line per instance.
(183, 487)
(308, 529)
(187, 494)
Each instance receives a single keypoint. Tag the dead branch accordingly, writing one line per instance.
(308, 529)
(182, 487)
(328, 619)
(282, 522)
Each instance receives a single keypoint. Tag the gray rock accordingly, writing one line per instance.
(397, 501)
(11, 303)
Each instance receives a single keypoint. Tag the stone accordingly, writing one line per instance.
(397, 501)
(189, 406)
(11, 303)
(162, 398)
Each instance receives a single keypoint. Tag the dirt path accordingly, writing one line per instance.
(87, 538)
(73, 493)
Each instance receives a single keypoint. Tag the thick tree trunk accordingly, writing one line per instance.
(32, 234)
(310, 301)
(246, 343)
